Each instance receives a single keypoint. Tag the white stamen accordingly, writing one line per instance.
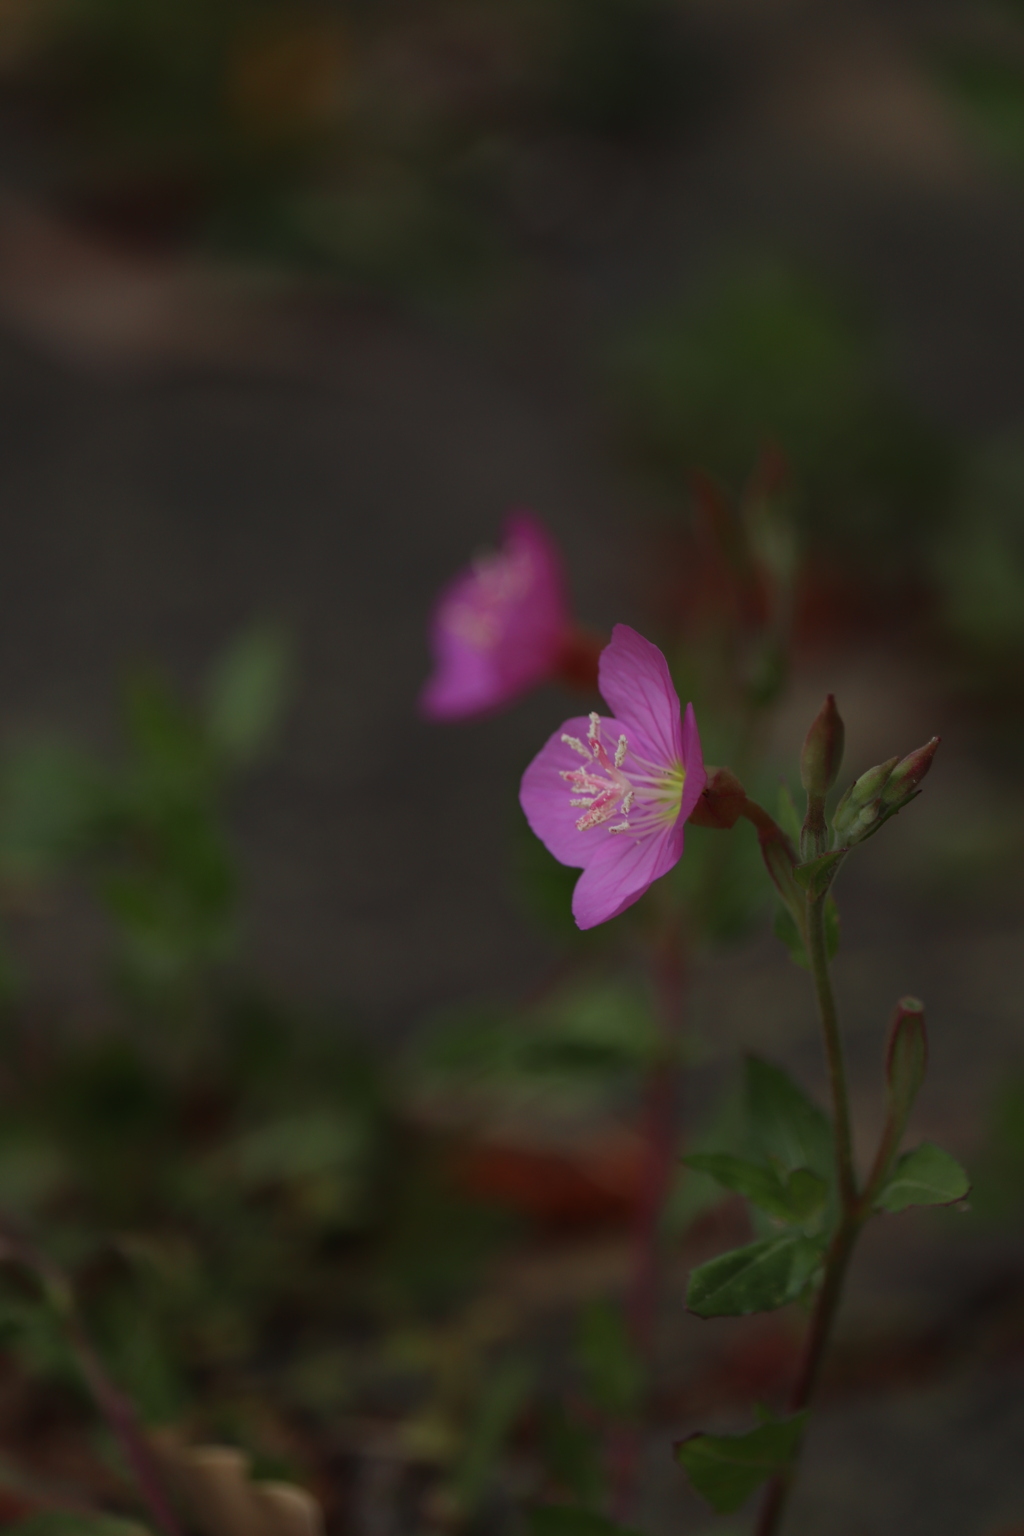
(577, 746)
(621, 749)
(594, 733)
(622, 826)
(583, 800)
(627, 802)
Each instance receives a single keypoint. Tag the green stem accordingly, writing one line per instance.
(852, 1216)
(817, 948)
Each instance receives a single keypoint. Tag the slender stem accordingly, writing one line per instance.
(852, 1215)
(818, 951)
(115, 1406)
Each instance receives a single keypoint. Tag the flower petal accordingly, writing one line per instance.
(634, 678)
(693, 762)
(621, 871)
(498, 629)
(545, 796)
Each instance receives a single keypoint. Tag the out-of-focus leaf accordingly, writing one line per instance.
(726, 1469)
(52, 798)
(925, 1176)
(566, 1520)
(246, 692)
(614, 1372)
(572, 1455)
(493, 1418)
(758, 1278)
(61, 1523)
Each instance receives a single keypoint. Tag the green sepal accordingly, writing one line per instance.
(925, 1176)
(570, 1520)
(726, 1469)
(817, 875)
(792, 1198)
(787, 930)
(758, 1278)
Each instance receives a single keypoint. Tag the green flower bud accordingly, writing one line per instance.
(857, 812)
(880, 793)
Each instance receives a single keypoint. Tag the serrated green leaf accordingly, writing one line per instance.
(726, 1469)
(783, 1123)
(925, 1176)
(792, 1198)
(817, 875)
(567, 1520)
(758, 1278)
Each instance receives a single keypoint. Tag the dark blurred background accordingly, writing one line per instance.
(297, 300)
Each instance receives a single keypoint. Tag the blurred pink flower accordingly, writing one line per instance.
(500, 628)
(619, 813)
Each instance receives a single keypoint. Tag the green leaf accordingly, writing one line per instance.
(926, 1176)
(758, 1278)
(790, 1199)
(787, 930)
(566, 1520)
(615, 1373)
(245, 693)
(492, 1421)
(760, 1184)
(783, 1123)
(818, 874)
(806, 1193)
(726, 1469)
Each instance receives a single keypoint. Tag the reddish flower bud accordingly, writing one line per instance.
(823, 750)
(903, 782)
(722, 803)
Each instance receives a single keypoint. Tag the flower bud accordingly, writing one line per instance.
(857, 812)
(906, 1057)
(722, 802)
(880, 793)
(902, 783)
(823, 750)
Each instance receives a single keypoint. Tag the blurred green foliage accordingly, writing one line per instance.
(767, 353)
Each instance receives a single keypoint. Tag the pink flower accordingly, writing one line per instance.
(501, 627)
(619, 813)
